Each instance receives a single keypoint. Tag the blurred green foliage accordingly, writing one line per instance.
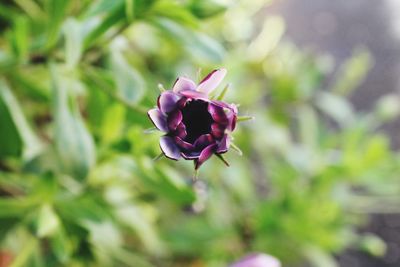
(78, 186)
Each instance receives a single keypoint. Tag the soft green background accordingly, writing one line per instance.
(78, 186)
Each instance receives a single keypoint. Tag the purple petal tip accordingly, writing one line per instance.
(182, 84)
(211, 81)
(158, 119)
(169, 148)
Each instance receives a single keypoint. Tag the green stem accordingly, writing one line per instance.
(222, 159)
(237, 149)
(223, 92)
(244, 118)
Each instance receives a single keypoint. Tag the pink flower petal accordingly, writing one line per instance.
(205, 155)
(174, 119)
(224, 144)
(232, 122)
(203, 141)
(182, 84)
(181, 131)
(257, 260)
(182, 102)
(158, 119)
(221, 104)
(211, 81)
(218, 114)
(217, 130)
(194, 95)
(183, 144)
(169, 148)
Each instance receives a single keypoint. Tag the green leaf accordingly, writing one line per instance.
(114, 18)
(175, 12)
(74, 144)
(197, 44)
(129, 82)
(6, 225)
(31, 8)
(16, 136)
(373, 245)
(48, 221)
(336, 107)
(61, 245)
(353, 72)
(10, 140)
(8, 12)
(16, 207)
(106, 238)
(113, 123)
(388, 107)
(272, 31)
(56, 9)
(130, 9)
(73, 42)
(25, 253)
(136, 219)
(102, 80)
(168, 184)
(86, 208)
(103, 6)
(319, 257)
(308, 126)
(206, 8)
(32, 83)
(127, 257)
(21, 37)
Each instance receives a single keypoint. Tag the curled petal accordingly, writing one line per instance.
(169, 148)
(167, 101)
(183, 144)
(224, 144)
(217, 130)
(218, 114)
(205, 155)
(234, 108)
(211, 81)
(191, 155)
(232, 117)
(182, 84)
(203, 141)
(224, 113)
(221, 104)
(174, 119)
(181, 131)
(194, 94)
(232, 121)
(158, 119)
(182, 102)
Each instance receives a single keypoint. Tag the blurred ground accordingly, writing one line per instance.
(337, 27)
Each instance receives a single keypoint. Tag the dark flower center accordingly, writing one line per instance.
(197, 119)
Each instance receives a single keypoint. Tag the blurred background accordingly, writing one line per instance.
(317, 185)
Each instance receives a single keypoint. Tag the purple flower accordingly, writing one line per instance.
(257, 260)
(195, 126)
